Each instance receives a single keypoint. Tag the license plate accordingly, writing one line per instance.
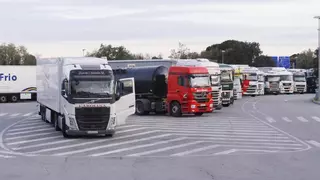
(202, 104)
(92, 132)
(25, 95)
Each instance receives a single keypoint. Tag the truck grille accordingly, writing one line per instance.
(92, 119)
(201, 97)
(286, 84)
(215, 97)
(225, 94)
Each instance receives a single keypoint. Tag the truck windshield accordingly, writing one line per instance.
(252, 77)
(215, 80)
(286, 78)
(91, 88)
(273, 78)
(299, 79)
(226, 76)
(261, 78)
(199, 81)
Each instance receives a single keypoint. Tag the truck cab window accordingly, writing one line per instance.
(181, 81)
(127, 87)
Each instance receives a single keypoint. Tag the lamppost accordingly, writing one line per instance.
(318, 93)
(222, 51)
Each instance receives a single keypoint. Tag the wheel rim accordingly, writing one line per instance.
(139, 108)
(14, 98)
(174, 109)
(3, 99)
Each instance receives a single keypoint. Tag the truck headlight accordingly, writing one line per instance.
(211, 105)
(193, 106)
(72, 122)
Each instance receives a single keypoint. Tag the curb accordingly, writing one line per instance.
(316, 102)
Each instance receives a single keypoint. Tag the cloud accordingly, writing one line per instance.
(273, 23)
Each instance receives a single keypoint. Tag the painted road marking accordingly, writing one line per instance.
(315, 143)
(112, 145)
(302, 119)
(165, 149)
(270, 119)
(28, 114)
(137, 147)
(286, 119)
(195, 150)
(316, 118)
(14, 115)
(226, 152)
(3, 114)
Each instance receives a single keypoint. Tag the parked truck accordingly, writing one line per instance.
(17, 83)
(251, 74)
(227, 78)
(213, 69)
(299, 80)
(80, 96)
(177, 90)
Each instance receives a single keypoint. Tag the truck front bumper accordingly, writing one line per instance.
(85, 133)
(202, 107)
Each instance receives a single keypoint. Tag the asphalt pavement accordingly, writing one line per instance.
(264, 137)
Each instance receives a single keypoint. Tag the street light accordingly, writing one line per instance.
(223, 56)
(318, 93)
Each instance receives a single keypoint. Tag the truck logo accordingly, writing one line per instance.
(7, 77)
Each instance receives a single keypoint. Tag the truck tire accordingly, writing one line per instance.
(64, 129)
(56, 122)
(175, 109)
(14, 98)
(198, 113)
(140, 109)
(3, 99)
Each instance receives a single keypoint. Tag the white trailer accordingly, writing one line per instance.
(80, 96)
(17, 82)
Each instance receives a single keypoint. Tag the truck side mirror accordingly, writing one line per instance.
(63, 92)
(119, 90)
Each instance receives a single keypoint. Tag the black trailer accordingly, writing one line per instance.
(150, 87)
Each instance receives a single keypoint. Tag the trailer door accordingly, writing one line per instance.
(126, 105)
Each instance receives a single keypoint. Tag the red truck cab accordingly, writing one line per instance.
(189, 91)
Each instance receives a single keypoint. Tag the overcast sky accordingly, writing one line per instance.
(65, 27)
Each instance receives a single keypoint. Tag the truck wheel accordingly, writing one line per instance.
(56, 122)
(3, 99)
(175, 109)
(64, 129)
(140, 108)
(198, 114)
(14, 98)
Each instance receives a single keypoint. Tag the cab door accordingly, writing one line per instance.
(126, 105)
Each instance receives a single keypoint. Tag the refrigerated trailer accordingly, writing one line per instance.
(17, 82)
(80, 96)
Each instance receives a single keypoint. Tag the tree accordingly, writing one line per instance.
(263, 61)
(112, 53)
(183, 52)
(12, 55)
(315, 64)
(233, 52)
(303, 60)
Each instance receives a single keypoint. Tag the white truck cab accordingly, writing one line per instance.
(300, 82)
(80, 96)
(261, 82)
(251, 74)
(286, 82)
